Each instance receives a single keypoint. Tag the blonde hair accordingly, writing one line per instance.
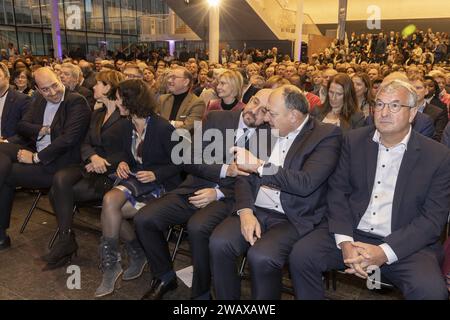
(236, 80)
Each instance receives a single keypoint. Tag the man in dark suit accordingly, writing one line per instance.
(70, 77)
(205, 198)
(438, 115)
(88, 74)
(388, 202)
(280, 202)
(49, 137)
(13, 105)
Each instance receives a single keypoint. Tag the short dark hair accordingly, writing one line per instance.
(295, 99)
(111, 77)
(137, 98)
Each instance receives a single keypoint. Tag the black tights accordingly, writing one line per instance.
(70, 187)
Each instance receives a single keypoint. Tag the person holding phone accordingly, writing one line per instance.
(146, 167)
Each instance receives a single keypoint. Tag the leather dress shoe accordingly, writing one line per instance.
(5, 243)
(159, 288)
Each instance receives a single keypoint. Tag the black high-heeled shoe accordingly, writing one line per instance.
(63, 250)
(63, 261)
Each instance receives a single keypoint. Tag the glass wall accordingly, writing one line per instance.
(87, 26)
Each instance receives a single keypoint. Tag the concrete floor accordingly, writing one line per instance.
(21, 275)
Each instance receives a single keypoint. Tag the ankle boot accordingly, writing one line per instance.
(136, 260)
(62, 251)
(110, 266)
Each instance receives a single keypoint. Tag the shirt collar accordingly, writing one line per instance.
(422, 106)
(295, 133)
(376, 138)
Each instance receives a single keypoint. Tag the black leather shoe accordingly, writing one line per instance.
(159, 288)
(5, 243)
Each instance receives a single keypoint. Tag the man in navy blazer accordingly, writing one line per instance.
(13, 105)
(281, 201)
(388, 202)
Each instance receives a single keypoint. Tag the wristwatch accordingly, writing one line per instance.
(36, 158)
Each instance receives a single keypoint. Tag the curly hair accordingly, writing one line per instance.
(137, 98)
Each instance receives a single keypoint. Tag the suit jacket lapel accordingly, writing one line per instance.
(113, 118)
(371, 162)
(409, 160)
(299, 142)
(61, 113)
(9, 103)
(184, 105)
(166, 107)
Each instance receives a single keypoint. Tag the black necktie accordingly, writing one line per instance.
(243, 140)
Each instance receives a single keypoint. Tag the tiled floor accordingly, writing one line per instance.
(21, 275)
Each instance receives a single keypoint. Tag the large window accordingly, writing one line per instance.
(6, 12)
(94, 15)
(112, 16)
(129, 16)
(32, 39)
(86, 25)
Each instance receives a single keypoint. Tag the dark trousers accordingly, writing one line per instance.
(14, 174)
(70, 186)
(153, 220)
(266, 257)
(418, 276)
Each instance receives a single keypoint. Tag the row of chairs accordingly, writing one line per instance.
(179, 232)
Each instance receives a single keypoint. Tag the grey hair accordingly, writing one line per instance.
(294, 98)
(74, 70)
(394, 85)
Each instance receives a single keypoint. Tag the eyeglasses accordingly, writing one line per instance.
(50, 89)
(173, 77)
(394, 107)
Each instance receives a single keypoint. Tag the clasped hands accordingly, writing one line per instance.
(245, 161)
(358, 256)
(123, 172)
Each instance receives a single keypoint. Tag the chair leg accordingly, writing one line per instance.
(52, 240)
(177, 245)
(242, 267)
(30, 212)
(169, 233)
(333, 279)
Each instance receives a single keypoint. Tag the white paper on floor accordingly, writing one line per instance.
(186, 275)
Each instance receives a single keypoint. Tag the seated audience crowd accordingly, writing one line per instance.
(338, 163)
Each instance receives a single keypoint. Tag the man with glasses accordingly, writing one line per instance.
(281, 200)
(388, 202)
(48, 139)
(181, 107)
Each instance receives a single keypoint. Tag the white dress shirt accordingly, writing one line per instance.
(269, 198)
(49, 114)
(377, 218)
(239, 133)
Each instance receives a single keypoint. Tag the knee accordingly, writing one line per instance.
(218, 244)
(196, 228)
(303, 257)
(113, 200)
(145, 220)
(427, 288)
(260, 258)
(59, 181)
